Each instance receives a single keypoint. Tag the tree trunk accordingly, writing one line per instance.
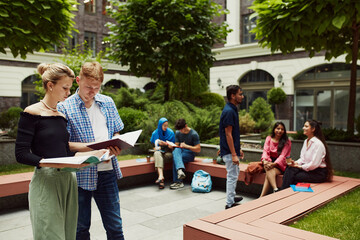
(166, 83)
(352, 91)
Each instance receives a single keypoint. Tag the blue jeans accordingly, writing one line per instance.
(108, 202)
(181, 156)
(231, 179)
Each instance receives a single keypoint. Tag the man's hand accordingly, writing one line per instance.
(241, 154)
(235, 160)
(114, 150)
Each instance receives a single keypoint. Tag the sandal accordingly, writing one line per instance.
(157, 181)
(161, 184)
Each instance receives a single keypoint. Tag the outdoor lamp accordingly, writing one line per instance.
(219, 82)
(280, 79)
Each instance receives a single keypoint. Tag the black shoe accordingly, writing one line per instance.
(238, 199)
(234, 205)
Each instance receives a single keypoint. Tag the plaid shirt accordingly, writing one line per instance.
(80, 129)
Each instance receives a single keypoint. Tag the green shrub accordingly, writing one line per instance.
(276, 96)
(9, 120)
(207, 99)
(125, 98)
(214, 141)
(206, 122)
(246, 123)
(299, 135)
(262, 114)
(131, 118)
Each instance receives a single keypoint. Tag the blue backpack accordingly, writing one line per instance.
(201, 182)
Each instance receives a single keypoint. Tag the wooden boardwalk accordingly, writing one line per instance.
(266, 217)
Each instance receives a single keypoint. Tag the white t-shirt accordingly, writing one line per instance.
(100, 129)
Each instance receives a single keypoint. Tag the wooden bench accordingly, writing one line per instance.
(218, 170)
(18, 183)
(265, 218)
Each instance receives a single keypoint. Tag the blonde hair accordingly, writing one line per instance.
(92, 70)
(54, 72)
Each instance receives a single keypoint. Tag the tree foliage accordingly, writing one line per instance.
(158, 38)
(316, 25)
(260, 111)
(34, 25)
(276, 96)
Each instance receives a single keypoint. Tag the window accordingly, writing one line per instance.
(113, 85)
(255, 84)
(248, 24)
(28, 91)
(322, 93)
(73, 40)
(90, 6)
(90, 39)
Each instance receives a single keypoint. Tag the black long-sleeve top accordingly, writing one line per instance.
(41, 137)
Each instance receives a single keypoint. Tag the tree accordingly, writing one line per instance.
(159, 38)
(34, 25)
(317, 25)
(276, 96)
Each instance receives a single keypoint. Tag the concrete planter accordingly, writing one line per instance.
(344, 156)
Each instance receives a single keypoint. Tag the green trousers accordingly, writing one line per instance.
(53, 203)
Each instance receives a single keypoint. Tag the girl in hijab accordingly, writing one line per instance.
(162, 150)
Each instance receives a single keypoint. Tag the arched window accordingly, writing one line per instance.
(28, 91)
(150, 85)
(114, 85)
(255, 84)
(322, 93)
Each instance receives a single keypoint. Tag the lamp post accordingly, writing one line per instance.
(280, 79)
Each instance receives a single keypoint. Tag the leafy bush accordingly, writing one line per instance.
(276, 96)
(214, 141)
(125, 98)
(9, 120)
(299, 135)
(247, 124)
(207, 99)
(132, 118)
(330, 134)
(261, 113)
(206, 122)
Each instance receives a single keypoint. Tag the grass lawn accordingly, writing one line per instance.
(339, 219)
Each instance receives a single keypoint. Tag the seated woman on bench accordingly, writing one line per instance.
(162, 150)
(277, 147)
(314, 164)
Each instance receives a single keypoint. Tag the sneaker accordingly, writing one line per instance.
(234, 205)
(180, 174)
(238, 199)
(177, 185)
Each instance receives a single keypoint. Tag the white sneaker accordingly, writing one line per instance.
(181, 174)
(177, 185)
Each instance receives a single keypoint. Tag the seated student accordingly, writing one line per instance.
(277, 147)
(189, 142)
(314, 164)
(159, 137)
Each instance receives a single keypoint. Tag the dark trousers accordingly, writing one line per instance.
(293, 175)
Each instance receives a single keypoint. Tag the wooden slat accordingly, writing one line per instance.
(315, 201)
(256, 230)
(289, 231)
(281, 204)
(199, 229)
(248, 207)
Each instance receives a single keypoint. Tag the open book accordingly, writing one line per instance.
(75, 162)
(122, 141)
(172, 144)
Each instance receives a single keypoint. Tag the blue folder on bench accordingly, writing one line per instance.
(301, 189)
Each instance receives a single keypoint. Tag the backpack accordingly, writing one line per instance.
(201, 182)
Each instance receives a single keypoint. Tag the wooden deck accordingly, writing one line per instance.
(266, 217)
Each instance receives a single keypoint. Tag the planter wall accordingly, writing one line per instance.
(7, 151)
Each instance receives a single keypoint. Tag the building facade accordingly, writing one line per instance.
(315, 88)
(17, 75)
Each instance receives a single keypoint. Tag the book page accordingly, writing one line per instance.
(129, 137)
